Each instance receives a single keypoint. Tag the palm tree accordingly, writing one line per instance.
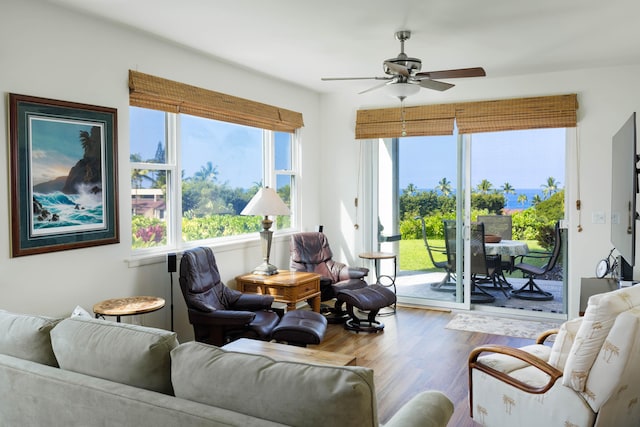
(507, 189)
(91, 143)
(484, 187)
(411, 189)
(444, 186)
(522, 199)
(536, 199)
(550, 187)
(138, 176)
(206, 173)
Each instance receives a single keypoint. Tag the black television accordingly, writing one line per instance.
(624, 187)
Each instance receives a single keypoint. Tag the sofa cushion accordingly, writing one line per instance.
(563, 343)
(613, 376)
(128, 354)
(601, 313)
(27, 337)
(296, 394)
(507, 364)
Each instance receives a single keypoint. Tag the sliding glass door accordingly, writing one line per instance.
(519, 176)
(424, 181)
(419, 180)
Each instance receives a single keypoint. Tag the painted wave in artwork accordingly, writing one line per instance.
(55, 211)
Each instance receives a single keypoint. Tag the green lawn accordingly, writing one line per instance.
(414, 256)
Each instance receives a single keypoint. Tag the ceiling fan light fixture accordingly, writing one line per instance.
(402, 90)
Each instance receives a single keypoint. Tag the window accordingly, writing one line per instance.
(192, 176)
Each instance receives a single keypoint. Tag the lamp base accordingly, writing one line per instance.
(266, 269)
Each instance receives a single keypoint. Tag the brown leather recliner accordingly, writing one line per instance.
(310, 252)
(220, 314)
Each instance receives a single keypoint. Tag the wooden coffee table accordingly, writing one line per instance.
(290, 353)
(290, 287)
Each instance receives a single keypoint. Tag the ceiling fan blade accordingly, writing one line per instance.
(435, 85)
(353, 78)
(453, 74)
(400, 69)
(377, 86)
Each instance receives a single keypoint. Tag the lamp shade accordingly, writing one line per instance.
(266, 202)
(402, 90)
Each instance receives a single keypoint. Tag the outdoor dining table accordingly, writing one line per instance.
(511, 248)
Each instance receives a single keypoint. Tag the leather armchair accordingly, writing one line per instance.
(220, 314)
(310, 252)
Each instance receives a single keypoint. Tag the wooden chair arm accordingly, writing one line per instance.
(546, 334)
(540, 364)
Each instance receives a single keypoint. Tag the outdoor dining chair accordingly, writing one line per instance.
(482, 268)
(448, 281)
(502, 226)
(531, 291)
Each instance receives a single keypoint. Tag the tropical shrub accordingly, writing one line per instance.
(411, 228)
(492, 202)
(148, 232)
(551, 209)
(219, 226)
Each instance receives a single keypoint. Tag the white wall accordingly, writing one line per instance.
(606, 96)
(49, 52)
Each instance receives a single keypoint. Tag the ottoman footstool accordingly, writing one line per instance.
(371, 298)
(300, 328)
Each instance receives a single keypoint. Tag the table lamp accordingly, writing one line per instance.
(266, 202)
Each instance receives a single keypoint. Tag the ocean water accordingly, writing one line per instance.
(75, 211)
(511, 200)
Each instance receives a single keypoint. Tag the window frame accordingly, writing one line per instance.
(173, 196)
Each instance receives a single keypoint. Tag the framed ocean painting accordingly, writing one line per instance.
(64, 189)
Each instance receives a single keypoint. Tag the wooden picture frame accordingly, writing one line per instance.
(63, 172)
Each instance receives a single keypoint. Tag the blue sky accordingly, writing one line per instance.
(525, 159)
(234, 150)
(55, 147)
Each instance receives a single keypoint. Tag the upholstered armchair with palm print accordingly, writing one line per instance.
(589, 376)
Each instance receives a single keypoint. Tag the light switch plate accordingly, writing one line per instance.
(598, 217)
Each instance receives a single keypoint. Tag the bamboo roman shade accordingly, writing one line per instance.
(517, 114)
(471, 117)
(156, 93)
(418, 121)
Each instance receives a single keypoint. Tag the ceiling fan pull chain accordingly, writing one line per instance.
(404, 124)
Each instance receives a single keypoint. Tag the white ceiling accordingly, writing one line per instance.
(301, 41)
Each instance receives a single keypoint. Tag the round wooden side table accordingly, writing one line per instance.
(383, 279)
(127, 306)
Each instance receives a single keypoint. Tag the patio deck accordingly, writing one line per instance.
(417, 284)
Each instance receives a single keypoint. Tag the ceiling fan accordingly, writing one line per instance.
(404, 76)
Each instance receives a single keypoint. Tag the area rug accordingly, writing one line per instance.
(500, 325)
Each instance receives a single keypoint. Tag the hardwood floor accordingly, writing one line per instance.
(414, 353)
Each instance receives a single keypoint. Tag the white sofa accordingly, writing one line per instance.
(88, 372)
